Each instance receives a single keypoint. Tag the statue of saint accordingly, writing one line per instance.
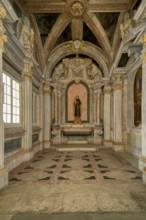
(77, 109)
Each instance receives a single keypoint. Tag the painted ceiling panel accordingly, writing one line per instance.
(109, 22)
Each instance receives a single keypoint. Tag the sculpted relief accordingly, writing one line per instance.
(76, 69)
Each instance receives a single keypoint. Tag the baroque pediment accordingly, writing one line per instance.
(76, 68)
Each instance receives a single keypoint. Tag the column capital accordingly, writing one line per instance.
(117, 82)
(3, 37)
(46, 89)
(27, 76)
(143, 40)
(27, 73)
(107, 88)
(143, 56)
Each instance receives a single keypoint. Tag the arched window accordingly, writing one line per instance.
(137, 97)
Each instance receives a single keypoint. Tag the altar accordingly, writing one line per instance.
(77, 102)
(77, 134)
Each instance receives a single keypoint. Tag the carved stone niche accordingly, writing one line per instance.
(77, 89)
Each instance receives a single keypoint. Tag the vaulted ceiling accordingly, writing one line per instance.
(59, 21)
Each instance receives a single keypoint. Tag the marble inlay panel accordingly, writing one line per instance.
(76, 168)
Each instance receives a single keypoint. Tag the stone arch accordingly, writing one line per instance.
(65, 49)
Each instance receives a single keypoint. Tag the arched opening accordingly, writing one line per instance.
(77, 89)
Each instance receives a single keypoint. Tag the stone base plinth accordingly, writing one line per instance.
(117, 146)
(29, 154)
(3, 177)
(47, 144)
(107, 144)
(142, 167)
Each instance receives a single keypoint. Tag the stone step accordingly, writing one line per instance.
(76, 147)
(92, 149)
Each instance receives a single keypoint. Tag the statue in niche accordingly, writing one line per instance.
(137, 97)
(77, 110)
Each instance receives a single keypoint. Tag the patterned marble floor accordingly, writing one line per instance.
(68, 182)
(76, 168)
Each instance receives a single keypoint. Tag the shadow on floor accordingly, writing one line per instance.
(82, 216)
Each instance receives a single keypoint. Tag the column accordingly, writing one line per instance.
(97, 126)
(95, 106)
(59, 107)
(107, 115)
(91, 105)
(125, 111)
(47, 115)
(41, 113)
(117, 113)
(63, 111)
(27, 40)
(27, 140)
(98, 107)
(3, 38)
(56, 105)
(142, 160)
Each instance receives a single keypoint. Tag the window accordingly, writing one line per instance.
(35, 108)
(11, 105)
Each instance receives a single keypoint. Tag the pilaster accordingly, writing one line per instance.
(117, 113)
(41, 118)
(27, 82)
(97, 108)
(124, 111)
(3, 39)
(107, 113)
(142, 160)
(63, 105)
(27, 40)
(47, 115)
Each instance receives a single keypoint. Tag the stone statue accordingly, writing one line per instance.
(27, 36)
(77, 109)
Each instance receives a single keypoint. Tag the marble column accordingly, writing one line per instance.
(117, 113)
(125, 112)
(142, 160)
(59, 107)
(98, 116)
(107, 115)
(56, 105)
(95, 106)
(97, 125)
(91, 105)
(41, 118)
(3, 170)
(27, 140)
(63, 110)
(47, 115)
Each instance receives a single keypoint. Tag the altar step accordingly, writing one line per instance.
(75, 147)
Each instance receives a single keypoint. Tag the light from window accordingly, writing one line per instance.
(11, 105)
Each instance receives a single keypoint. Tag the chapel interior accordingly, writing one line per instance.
(73, 100)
